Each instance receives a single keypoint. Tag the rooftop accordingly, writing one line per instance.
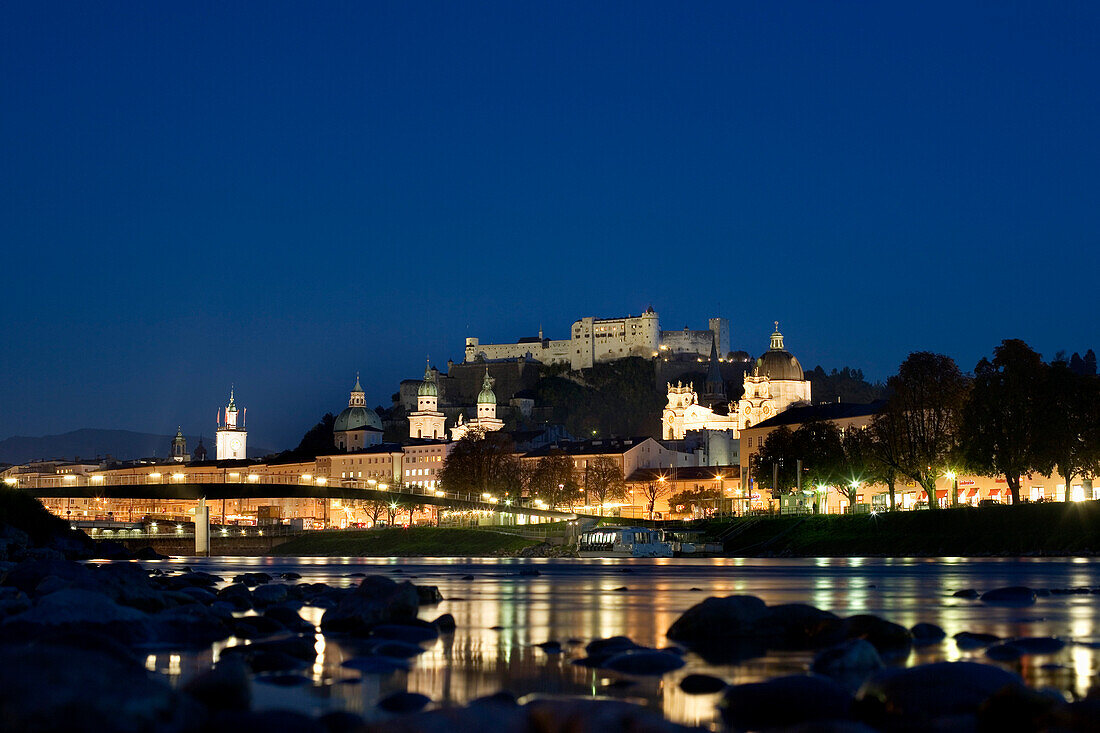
(827, 411)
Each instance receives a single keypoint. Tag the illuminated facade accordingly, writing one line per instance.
(486, 420)
(427, 421)
(593, 340)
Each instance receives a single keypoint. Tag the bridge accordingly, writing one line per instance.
(215, 486)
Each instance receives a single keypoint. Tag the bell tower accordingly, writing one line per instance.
(232, 438)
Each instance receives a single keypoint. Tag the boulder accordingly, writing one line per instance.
(377, 600)
(730, 616)
(189, 626)
(643, 662)
(341, 721)
(404, 702)
(269, 595)
(148, 553)
(50, 687)
(966, 593)
(970, 640)
(445, 623)
(225, 687)
(28, 574)
(701, 684)
(794, 624)
(256, 627)
(1014, 596)
(847, 659)
(919, 695)
(925, 633)
(428, 595)
(79, 611)
(289, 618)
(13, 601)
(886, 636)
(785, 701)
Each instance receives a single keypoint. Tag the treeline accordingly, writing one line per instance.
(843, 385)
(1014, 417)
(487, 464)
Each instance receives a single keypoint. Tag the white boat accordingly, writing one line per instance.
(624, 542)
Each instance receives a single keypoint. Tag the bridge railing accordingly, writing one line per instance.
(168, 477)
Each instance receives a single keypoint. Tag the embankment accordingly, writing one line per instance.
(412, 542)
(1027, 529)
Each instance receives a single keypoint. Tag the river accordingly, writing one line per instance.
(502, 615)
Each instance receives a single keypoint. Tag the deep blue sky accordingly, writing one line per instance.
(280, 194)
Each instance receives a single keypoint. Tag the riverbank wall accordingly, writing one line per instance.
(1044, 529)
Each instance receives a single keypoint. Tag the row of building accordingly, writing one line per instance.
(707, 445)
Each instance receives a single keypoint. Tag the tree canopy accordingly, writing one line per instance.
(483, 463)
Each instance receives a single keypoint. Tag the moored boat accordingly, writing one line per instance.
(624, 542)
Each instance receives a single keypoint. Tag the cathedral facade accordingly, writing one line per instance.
(775, 384)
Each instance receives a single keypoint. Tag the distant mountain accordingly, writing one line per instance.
(90, 443)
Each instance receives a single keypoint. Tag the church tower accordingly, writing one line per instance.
(486, 400)
(232, 438)
(427, 421)
(179, 447)
(715, 386)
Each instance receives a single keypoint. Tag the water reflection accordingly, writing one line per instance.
(502, 615)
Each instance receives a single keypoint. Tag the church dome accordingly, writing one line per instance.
(357, 418)
(778, 363)
(486, 396)
(427, 387)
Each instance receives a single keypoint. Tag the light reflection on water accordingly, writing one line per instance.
(580, 600)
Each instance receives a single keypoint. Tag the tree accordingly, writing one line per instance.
(651, 491)
(1001, 425)
(774, 465)
(604, 481)
(1069, 440)
(694, 500)
(553, 480)
(884, 445)
(859, 464)
(1090, 363)
(483, 463)
(818, 445)
(925, 409)
(1077, 364)
(374, 510)
(318, 440)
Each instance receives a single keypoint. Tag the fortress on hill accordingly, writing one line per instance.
(594, 340)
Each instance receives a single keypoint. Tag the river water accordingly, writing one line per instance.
(502, 615)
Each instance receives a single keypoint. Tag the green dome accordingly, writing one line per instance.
(427, 387)
(777, 362)
(357, 418)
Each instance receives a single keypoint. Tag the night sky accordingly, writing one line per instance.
(279, 194)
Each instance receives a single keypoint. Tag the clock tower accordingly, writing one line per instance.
(232, 438)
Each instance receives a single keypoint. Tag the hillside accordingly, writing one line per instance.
(89, 443)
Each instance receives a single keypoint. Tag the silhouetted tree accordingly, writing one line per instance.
(553, 480)
(925, 409)
(774, 465)
(483, 463)
(1090, 363)
(604, 481)
(1069, 439)
(318, 440)
(1077, 364)
(1002, 420)
(652, 491)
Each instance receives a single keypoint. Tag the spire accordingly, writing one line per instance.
(714, 373)
(232, 405)
(777, 339)
(357, 387)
